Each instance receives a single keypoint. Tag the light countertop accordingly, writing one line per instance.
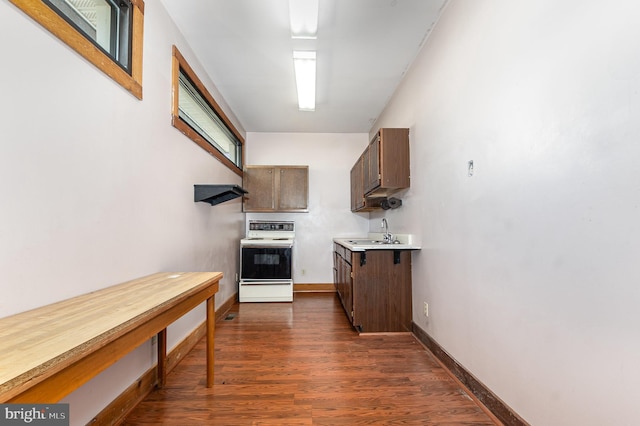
(372, 242)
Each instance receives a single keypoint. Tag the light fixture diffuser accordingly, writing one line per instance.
(303, 15)
(304, 63)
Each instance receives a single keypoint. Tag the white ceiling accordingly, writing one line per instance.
(363, 49)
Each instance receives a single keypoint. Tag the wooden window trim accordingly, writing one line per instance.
(50, 20)
(179, 62)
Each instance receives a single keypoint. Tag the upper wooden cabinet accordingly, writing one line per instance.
(388, 155)
(381, 170)
(276, 188)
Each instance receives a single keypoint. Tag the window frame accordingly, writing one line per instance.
(85, 47)
(180, 63)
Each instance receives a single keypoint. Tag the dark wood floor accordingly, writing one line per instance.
(301, 363)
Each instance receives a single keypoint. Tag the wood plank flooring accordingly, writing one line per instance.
(301, 363)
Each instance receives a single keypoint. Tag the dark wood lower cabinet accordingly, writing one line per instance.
(375, 288)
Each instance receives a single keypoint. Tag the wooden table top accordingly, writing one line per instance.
(54, 336)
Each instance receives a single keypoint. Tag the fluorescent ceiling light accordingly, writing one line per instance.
(304, 18)
(304, 63)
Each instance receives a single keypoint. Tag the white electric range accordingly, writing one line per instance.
(266, 262)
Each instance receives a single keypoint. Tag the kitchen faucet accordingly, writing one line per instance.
(386, 237)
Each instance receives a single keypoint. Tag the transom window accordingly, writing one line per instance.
(108, 33)
(106, 23)
(196, 114)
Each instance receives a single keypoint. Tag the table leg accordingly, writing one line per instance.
(211, 323)
(162, 358)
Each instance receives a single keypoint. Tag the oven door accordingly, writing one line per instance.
(265, 263)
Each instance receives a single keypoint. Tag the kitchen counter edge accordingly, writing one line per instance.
(344, 242)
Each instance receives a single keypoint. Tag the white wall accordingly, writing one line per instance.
(97, 187)
(330, 157)
(530, 266)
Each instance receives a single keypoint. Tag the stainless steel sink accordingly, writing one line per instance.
(368, 242)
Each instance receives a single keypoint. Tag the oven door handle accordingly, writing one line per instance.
(266, 246)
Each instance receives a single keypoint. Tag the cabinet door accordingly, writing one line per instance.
(259, 182)
(394, 158)
(389, 163)
(399, 292)
(358, 201)
(336, 276)
(382, 291)
(357, 189)
(343, 282)
(372, 174)
(347, 290)
(370, 291)
(293, 185)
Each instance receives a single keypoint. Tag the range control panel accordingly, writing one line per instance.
(264, 225)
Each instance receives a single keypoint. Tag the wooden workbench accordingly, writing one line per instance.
(48, 352)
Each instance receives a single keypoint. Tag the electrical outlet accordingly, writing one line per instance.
(426, 309)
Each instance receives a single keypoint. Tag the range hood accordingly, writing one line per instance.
(216, 194)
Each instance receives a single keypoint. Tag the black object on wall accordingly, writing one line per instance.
(390, 203)
(216, 194)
